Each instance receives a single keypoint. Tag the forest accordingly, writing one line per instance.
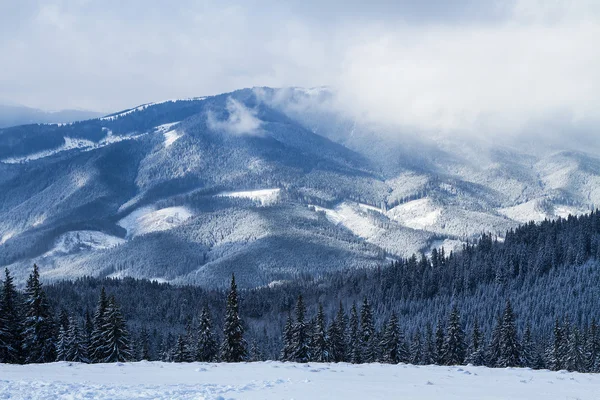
(531, 300)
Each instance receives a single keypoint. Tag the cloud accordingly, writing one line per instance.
(240, 121)
(488, 68)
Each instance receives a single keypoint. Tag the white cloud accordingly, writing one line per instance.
(240, 121)
(472, 67)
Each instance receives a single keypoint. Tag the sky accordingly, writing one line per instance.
(463, 66)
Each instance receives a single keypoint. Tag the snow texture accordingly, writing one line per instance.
(262, 196)
(147, 219)
(275, 380)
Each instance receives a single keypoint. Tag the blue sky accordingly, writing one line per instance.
(460, 66)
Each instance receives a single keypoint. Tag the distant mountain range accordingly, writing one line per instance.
(12, 115)
(267, 183)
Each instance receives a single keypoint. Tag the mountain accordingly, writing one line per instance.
(269, 183)
(13, 115)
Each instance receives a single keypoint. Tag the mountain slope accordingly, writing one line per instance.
(188, 191)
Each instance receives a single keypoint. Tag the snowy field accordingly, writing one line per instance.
(275, 380)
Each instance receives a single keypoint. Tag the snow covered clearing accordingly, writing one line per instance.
(348, 215)
(262, 196)
(171, 137)
(276, 380)
(148, 219)
(83, 240)
(416, 214)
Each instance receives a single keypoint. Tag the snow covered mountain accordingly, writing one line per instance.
(268, 183)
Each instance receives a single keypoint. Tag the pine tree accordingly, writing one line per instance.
(39, 344)
(367, 333)
(116, 337)
(354, 348)
(255, 353)
(11, 323)
(438, 356)
(288, 339)
(207, 348)
(76, 348)
(300, 335)
(180, 353)
(527, 349)
(391, 342)
(61, 345)
(575, 360)
(233, 348)
(555, 358)
(476, 354)
(416, 349)
(429, 350)
(319, 347)
(144, 345)
(98, 345)
(454, 342)
(592, 347)
(493, 354)
(510, 352)
(337, 336)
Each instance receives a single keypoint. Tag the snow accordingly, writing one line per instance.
(262, 196)
(70, 242)
(416, 214)
(276, 380)
(349, 215)
(171, 137)
(148, 219)
(533, 211)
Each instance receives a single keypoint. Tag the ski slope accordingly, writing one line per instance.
(276, 380)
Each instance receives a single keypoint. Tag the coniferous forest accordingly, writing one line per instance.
(531, 300)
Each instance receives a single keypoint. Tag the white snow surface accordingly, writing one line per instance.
(348, 214)
(149, 219)
(90, 240)
(416, 214)
(276, 380)
(171, 137)
(262, 196)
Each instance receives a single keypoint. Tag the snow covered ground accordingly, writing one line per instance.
(263, 196)
(275, 380)
(148, 219)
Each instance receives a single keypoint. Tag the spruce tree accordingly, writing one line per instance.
(354, 348)
(98, 342)
(233, 348)
(206, 348)
(116, 337)
(454, 342)
(61, 345)
(337, 336)
(319, 342)
(438, 355)
(429, 349)
(510, 352)
(416, 349)
(527, 349)
(180, 353)
(367, 333)
(300, 334)
(76, 347)
(288, 339)
(11, 323)
(39, 338)
(390, 343)
(476, 354)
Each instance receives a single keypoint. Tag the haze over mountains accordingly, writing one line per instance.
(266, 183)
(13, 115)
